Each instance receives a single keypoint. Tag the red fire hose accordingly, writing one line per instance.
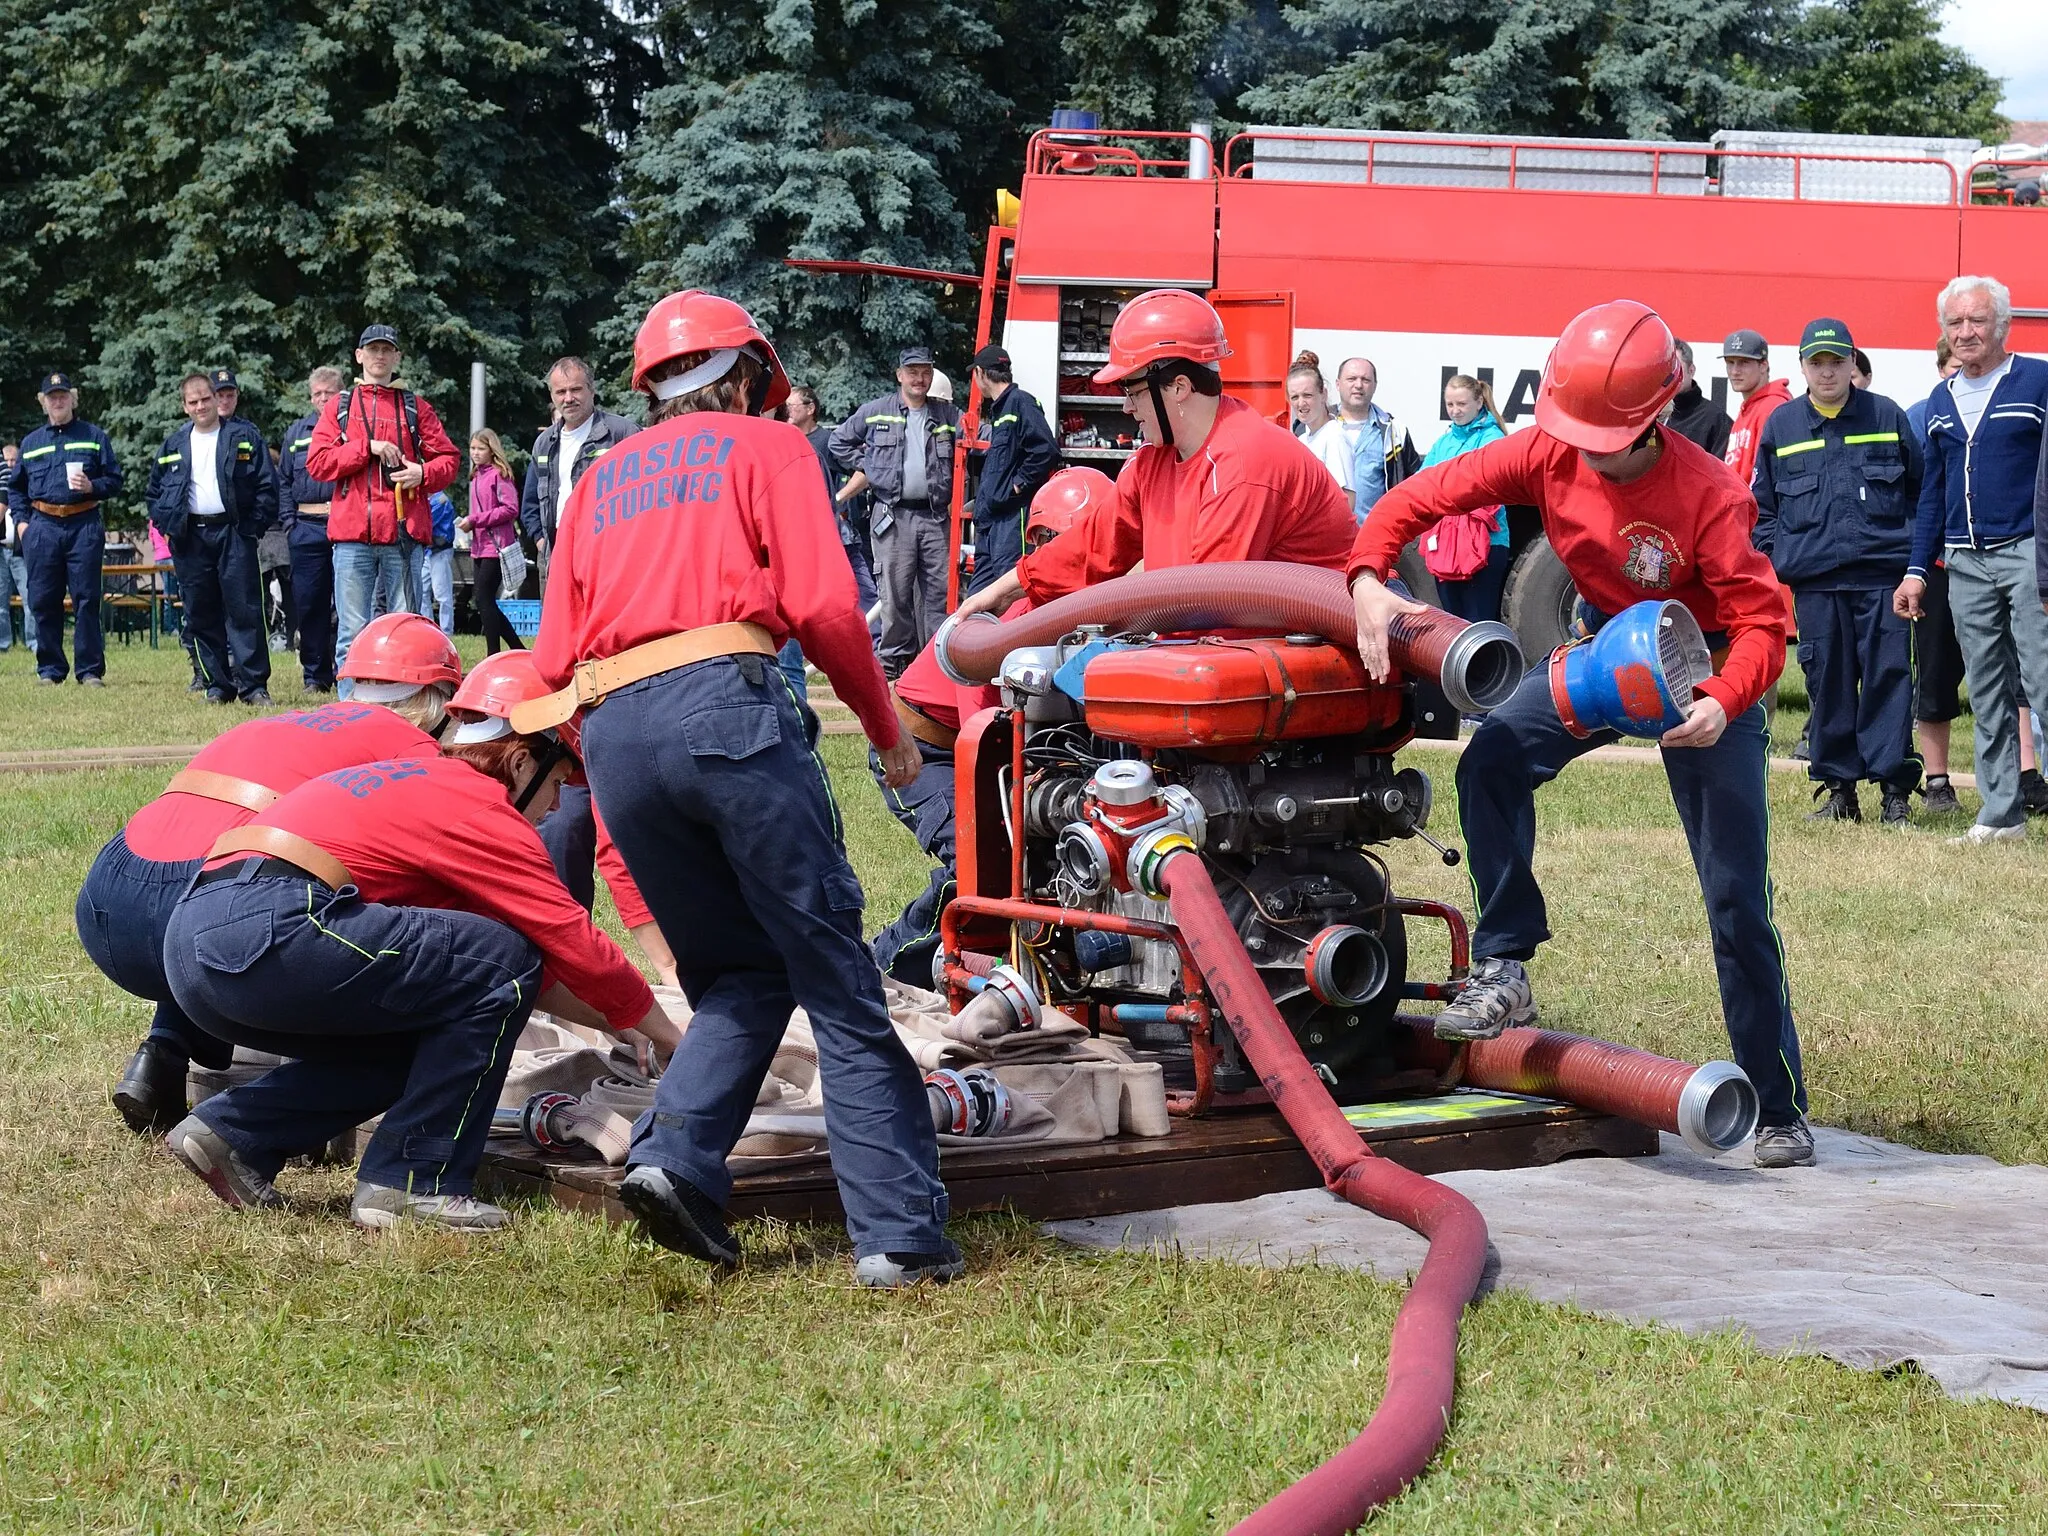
(1422, 1362)
(1478, 665)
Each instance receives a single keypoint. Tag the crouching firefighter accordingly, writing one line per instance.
(932, 708)
(391, 926)
(683, 561)
(404, 670)
(1636, 513)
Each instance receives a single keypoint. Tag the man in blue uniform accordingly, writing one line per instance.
(1837, 481)
(67, 468)
(302, 507)
(1021, 455)
(212, 492)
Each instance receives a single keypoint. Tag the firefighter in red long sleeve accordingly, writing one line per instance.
(404, 670)
(1215, 481)
(390, 926)
(1636, 513)
(683, 560)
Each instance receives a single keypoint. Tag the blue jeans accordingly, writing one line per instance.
(408, 1012)
(1719, 792)
(925, 807)
(440, 587)
(123, 910)
(1478, 598)
(62, 552)
(13, 584)
(728, 825)
(363, 572)
(216, 569)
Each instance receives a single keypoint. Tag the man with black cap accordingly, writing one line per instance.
(66, 469)
(1747, 358)
(1020, 457)
(1837, 482)
(902, 446)
(385, 452)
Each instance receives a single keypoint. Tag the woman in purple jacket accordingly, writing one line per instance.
(493, 523)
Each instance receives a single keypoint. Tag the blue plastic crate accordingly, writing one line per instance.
(523, 614)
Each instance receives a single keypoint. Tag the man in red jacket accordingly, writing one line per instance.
(1215, 480)
(1636, 512)
(1747, 358)
(385, 452)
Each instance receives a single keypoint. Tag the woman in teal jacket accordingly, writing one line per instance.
(1474, 422)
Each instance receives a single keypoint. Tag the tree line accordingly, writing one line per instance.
(249, 182)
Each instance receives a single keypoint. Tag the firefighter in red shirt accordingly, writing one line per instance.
(1635, 512)
(932, 708)
(1215, 480)
(683, 560)
(402, 663)
(390, 926)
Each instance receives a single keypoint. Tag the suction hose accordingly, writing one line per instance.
(1477, 665)
(1422, 1362)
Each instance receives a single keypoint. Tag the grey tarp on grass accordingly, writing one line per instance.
(1882, 1254)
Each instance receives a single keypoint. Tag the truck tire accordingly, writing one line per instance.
(1415, 575)
(1538, 601)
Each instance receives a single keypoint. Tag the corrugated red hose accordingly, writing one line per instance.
(1406, 1428)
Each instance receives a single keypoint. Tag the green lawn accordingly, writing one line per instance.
(169, 1366)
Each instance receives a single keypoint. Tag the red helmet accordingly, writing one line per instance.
(487, 697)
(1167, 322)
(1066, 498)
(1611, 372)
(403, 651)
(696, 321)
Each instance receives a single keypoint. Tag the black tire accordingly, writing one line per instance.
(1538, 601)
(1415, 575)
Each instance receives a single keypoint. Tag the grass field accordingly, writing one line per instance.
(169, 1366)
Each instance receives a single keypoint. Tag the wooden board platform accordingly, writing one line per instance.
(1228, 1156)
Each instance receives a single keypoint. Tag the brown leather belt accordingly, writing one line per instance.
(289, 846)
(314, 508)
(592, 680)
(64, 508)
(246, 793)
(921, 725)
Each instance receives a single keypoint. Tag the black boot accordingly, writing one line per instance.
(151, 1093)
(1841, 802)
(1939, 796)
(2034, 792)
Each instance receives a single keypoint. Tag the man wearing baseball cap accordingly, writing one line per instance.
(900, 447)
(1837, 482)
(66, 469)
(385, 452)
(1020, 457)
(1747, 359)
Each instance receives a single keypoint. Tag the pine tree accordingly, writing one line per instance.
(1140, 63)
(1881, 67)
(1629, 68)
(838, 129)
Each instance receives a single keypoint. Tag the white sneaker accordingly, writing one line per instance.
(1983, 834)
(380, 1207)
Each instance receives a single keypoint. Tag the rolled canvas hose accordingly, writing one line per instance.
(1406, 1428)
(1477, 665)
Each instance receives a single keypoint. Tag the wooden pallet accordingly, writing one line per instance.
(1228, 1156)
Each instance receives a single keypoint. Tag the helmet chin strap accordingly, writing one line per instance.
(1159, 406)
(555, 753)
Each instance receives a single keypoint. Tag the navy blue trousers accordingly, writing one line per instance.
(1479, 598)
(123, 909)
(925, 807)
(1719, 793)
(727, 822)
(313, 602)
(223, 607)
(1858, 659)
(61, 553)
(408, 1012)
(998, 545)
(569, 833)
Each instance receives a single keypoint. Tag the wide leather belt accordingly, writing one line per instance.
(246, 793)
(314, 508)
(921, 726)
(64, 508)
(592, 680)
(289, 846)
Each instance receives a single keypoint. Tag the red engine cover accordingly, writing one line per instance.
(1233, 693)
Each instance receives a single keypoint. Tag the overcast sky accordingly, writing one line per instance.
(2009, 38)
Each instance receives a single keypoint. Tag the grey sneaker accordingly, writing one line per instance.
(1784, 1146)
(891, 1271)
(1496, 998)
(379, 1207)
(679, 1215)
(193, 1142)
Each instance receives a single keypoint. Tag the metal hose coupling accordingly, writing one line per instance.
(1482, 667)
(942, 639)
(1717, 1109)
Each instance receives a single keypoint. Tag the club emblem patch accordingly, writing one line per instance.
(1653, 557)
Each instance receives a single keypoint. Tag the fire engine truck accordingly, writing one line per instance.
(1442, 254)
